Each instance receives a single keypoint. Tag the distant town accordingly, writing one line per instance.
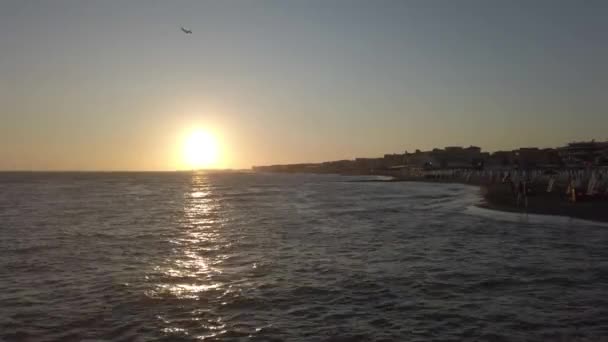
(575, 155)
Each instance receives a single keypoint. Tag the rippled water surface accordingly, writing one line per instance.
(254, 257)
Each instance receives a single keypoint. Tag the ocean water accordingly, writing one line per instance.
(258, 257)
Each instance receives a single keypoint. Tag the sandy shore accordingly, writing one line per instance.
(498, 196)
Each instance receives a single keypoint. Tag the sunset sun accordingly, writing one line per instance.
(200, 150)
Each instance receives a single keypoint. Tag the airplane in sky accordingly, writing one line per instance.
(186, 31)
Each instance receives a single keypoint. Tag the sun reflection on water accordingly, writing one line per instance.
(193, 270)
(201, 235)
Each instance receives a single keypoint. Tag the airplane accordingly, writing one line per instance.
(186, 31)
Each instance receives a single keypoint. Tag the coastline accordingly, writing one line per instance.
(498, 196)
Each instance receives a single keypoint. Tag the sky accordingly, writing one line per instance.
(116, 85)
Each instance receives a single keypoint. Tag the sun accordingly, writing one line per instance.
(200, 150)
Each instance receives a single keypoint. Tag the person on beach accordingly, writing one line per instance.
(512, 182)
(522, 193)
(507, 177)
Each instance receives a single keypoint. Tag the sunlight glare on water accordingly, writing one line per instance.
(190, 272)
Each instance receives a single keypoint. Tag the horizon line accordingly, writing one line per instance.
(120, 171)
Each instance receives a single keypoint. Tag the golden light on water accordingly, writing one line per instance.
(198, 267)
(200, 150)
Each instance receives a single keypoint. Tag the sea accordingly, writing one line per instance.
(241, 256)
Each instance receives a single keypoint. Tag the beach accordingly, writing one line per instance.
(500, 196)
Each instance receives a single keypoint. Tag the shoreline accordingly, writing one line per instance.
(498, 196)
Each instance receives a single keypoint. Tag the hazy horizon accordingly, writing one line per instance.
(116, 85)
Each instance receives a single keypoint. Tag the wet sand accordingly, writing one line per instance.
(498, 196)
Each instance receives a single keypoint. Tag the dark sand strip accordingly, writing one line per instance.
(499, 196)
